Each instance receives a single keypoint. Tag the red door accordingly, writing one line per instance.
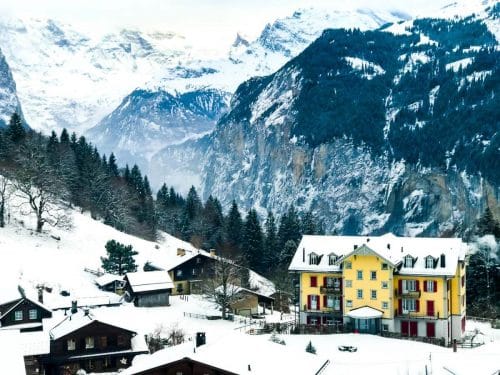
(413, 328)
(431, 329)
(430, 308)
(404, 328)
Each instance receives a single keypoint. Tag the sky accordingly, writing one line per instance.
(202, 21)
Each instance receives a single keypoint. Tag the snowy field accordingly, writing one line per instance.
(29, 259)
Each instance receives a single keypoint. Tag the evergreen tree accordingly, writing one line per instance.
(308, 223)
(488, 225)
(233, 230)
(15, 129)
(120, 259)
(113, 167)
(212, 223)
(310, 348)
(64, 138)
(271, 248)
(289, 228)
(253, 244)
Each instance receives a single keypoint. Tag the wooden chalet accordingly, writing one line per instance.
(24, 314)
(247, 301)
(82, 342)
(110, 283)
(148, 289)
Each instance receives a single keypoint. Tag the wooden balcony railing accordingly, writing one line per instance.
(330, 290)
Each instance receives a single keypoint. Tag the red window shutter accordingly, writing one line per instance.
(425, 285)
(314, 281)
(400, 305)
(417, 283)
(309, 302)
(435, 286)
(340, 283)
(324, 281)
(431, 329)
(400, 286)
(417, 305)
(319, 302)
(325, 304)
(341, 306)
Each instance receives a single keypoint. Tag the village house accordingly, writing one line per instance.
(383, 285)
(148, 289)
(246, 302)
(23, 313)
(110, 283)
(80, 341)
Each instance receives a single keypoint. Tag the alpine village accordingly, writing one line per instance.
(266, 187)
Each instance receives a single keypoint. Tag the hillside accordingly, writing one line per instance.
(9, 101)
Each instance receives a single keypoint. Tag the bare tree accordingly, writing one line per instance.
(222, 285)
(37, 186)
(5, 192)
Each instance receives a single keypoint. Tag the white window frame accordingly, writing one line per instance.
(430, 286)
(385, 285)
(409, 285)
(348, 283)
(409, 305)
(359, 294)
(429, 262)
(348, 303)
(71, 344)
(408, 261)
(314, 302)
(348, 265)
(313, 259)
(332, 258)
(18, 315)
(385, 305)
(372, 273)
(89, 342)
(373, 294)
(359, 274)
(385, 266)
(178, 273)
(33, 314)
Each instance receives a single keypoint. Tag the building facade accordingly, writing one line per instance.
(384, 284)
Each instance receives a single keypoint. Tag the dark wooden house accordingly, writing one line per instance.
(148, 289)
(82, 342)
(189, 273)
(24, 313)
(110, 283)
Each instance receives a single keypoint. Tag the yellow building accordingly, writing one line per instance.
(383, 284)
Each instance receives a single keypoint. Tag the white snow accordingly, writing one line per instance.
(459, 64)
(368, 68)
(149, 281)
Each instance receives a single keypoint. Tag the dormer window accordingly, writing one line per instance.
(409, 261)
(430, 262)
(332, 258)
(313, 258)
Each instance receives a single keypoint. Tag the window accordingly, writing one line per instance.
(89, 342)
(348, 283)
(348, 265)
(359, 274)
(198, 260)
(313, 258)
(332, 258)
(333, 302)
(384, 266)
(121, 340)
(409, 305)
(348, 303)
(385, 285)
(429, 262)
(408, 261)
(385, 305)
(373, 275)
(178, 273)
(18, 315)
(359, 293)
(71, 344)
(193, 272)
(430, 286)
(314, 281)
(314, 302)
(463, 281)
(103, 341)
(409, 285)
(373, 294)
(33, 314)
(385, 327)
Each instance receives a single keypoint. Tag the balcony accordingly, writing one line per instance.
(416, 315)
(330, 290)
(407, 293)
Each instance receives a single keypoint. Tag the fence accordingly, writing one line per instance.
(202, 316)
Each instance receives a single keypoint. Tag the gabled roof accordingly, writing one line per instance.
(365, 312)
(107, 278)
(149, 281)
(388, 246)
(21, 300)
(74, 322)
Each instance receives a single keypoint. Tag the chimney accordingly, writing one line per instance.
(212, 253)
(181, 252)
(368, 239)
(355, 247)
(86, 311)
(74, 307)
(389, 246)
(401, 248)
(443, 261)
(249, 368)
(201, 339)
(40, 295)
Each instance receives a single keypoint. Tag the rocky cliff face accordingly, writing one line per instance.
(9, 102)
(373, 131)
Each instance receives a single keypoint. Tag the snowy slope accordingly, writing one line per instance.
(9, 102)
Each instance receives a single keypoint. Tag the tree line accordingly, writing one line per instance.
(51, 174)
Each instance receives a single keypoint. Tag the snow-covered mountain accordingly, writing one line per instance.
(9, 102)
(375, 131)
(147, 121)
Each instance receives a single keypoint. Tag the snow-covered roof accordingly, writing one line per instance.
(21, 299)
(388, 246)
(260, 283)
(149, 281)
(74, 322)
(365, 312)
(107, 278)
(236, 353)
(12, 356)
